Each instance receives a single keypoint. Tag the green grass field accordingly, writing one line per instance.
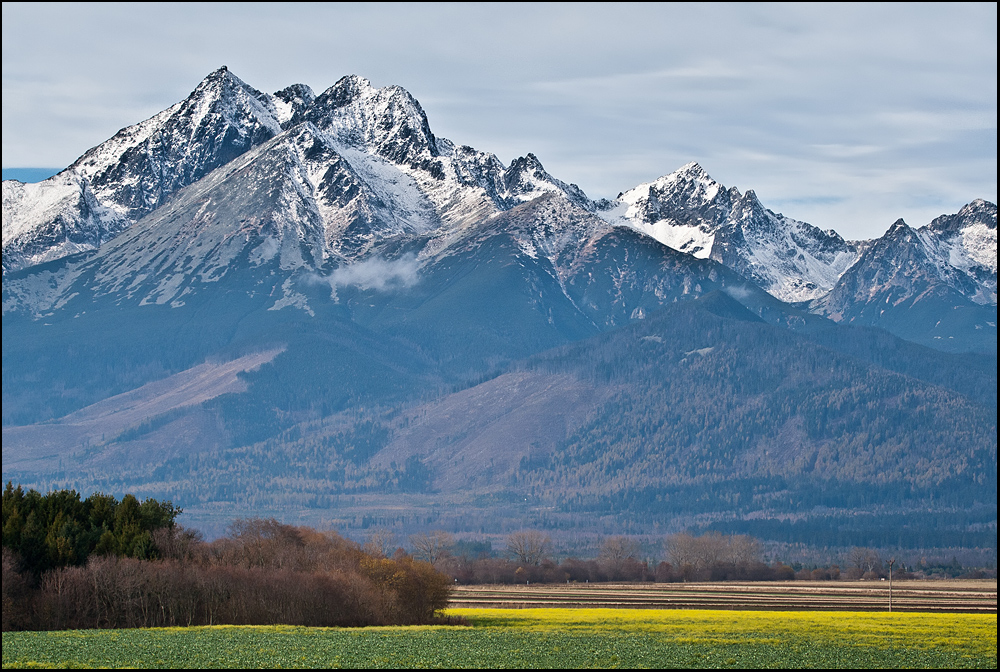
(544, 638)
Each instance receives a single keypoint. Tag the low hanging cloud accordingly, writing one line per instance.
(379, 274)
(738, 292)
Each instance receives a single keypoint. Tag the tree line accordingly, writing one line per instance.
(261, 572)
(103, 563)
(527, 558)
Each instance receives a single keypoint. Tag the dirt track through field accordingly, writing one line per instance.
(950, 596)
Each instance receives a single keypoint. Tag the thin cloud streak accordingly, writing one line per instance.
(376, 273)
(382, 275)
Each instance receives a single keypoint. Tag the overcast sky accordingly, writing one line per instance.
(845, 116)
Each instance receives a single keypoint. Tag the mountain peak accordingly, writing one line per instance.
(693, 169)
(898, 226)
(296, 91)
(347, 90)
(526, 178)
(980, 210)
(688, 182)
(217, 75)
(223, 79)
(527, 162)
(387, 121)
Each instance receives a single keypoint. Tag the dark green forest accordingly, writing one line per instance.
(59, 529)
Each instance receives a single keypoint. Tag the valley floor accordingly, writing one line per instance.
(545, 638)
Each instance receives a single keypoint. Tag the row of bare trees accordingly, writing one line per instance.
(527, 547)
(711, 549)
(526, 558)
(263, 572)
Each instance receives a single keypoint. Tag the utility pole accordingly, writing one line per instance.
(893, 560)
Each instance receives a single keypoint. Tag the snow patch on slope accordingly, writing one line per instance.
(978, 246)
(400, 194)
(52, 219)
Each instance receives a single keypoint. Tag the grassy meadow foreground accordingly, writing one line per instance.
(544, 638)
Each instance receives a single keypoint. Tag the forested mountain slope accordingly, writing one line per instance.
(310, 303)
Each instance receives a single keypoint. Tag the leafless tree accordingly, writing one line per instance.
(529, 546)
(380, 542)
(265, 573)
(432, 547)
(681, 549)
(698, 552)
(615, 551)
(15, 587)
(865, 561)
(265, 542)
(177, 542)
(710, 549)
(744, 549)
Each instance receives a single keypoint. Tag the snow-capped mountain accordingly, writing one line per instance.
(379, 138)
(933, 284)
(963, 247)
(384, 132)
(307, 200)
(137, 169)
(119, 181)
(294, 182)
(689, 211)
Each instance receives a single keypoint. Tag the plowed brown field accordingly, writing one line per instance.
(972, 596)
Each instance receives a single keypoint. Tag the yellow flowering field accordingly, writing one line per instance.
(544, 638)
(775, 638)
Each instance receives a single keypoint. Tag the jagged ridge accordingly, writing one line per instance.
(361, 173)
